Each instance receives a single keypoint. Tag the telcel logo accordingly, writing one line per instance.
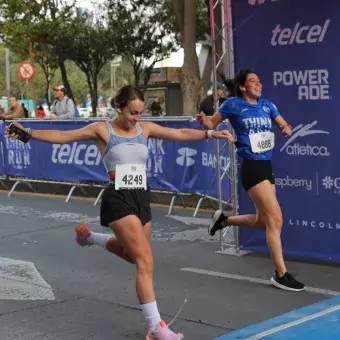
(299, 34)
(75, 153)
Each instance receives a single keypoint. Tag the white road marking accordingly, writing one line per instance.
(20, 280)
(253, 279)
(294, 323)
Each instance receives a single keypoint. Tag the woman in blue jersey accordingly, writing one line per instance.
(125, 206)
(251, 117)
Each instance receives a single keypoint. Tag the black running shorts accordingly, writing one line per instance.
(255, 171)
(117, 204)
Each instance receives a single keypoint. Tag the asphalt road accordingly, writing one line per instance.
(71, 293)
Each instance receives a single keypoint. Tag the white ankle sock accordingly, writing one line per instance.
(98, 239)
(151, 314)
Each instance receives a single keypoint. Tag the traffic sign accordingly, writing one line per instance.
(26, 70)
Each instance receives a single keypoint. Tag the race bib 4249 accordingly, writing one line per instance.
(130, 176)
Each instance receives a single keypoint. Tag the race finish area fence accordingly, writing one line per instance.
(177, 168)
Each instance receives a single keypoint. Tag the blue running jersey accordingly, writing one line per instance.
(248, 118)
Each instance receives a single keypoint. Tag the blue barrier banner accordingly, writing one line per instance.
(293, 46)
(2, 148)
(188, 167)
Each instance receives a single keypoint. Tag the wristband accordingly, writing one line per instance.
(210, 134)
(286, 126)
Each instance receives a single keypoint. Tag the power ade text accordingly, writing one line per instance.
(299, 34)
(76, 153)
(312, 84)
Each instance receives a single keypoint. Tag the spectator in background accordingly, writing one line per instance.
(2, 110)
(207, 105)
(156, 109)
(40, 112)
(15, 111)
(63, 107)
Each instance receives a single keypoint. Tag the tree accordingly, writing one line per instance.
(189, 75)
(49, 63)
(37, 23)
(142, 34)
(90, 48)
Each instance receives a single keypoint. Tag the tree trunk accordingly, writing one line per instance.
(92, 83)
(147, 75)
(189, 73)
(46, 93)
(95, 95)
(62, 67)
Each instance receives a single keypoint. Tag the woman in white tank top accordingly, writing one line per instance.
(122, 143)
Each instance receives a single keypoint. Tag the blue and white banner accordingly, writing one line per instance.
(188, 167)
(294, 47)
(2, 148)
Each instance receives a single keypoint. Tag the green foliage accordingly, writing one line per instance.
(202, 21)
(141, 33)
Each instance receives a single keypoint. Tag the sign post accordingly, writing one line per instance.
(26, 71)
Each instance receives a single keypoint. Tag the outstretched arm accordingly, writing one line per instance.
(88, 132)
(185, 135)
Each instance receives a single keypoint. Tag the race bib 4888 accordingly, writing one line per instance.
(262, 141)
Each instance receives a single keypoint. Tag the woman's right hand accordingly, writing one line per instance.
(201, 118)
(11, 134)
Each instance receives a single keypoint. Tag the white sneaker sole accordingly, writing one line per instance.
(278, 285)
(215, 217)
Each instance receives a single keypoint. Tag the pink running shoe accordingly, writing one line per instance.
(82, 234)
(163, 332)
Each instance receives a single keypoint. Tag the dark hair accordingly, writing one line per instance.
(125, 95)
(233, 85)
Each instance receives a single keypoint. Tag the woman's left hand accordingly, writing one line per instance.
(287, 130)
(224, 134)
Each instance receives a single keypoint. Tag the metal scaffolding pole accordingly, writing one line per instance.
(223, 61)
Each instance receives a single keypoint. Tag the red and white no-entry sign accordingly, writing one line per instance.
(26, 70)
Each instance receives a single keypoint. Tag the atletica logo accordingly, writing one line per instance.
(312, 84)
(305, 150)
(185, 158)
(299, 34)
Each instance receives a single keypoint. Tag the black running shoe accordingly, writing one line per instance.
(216, 222)
(287, 282)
